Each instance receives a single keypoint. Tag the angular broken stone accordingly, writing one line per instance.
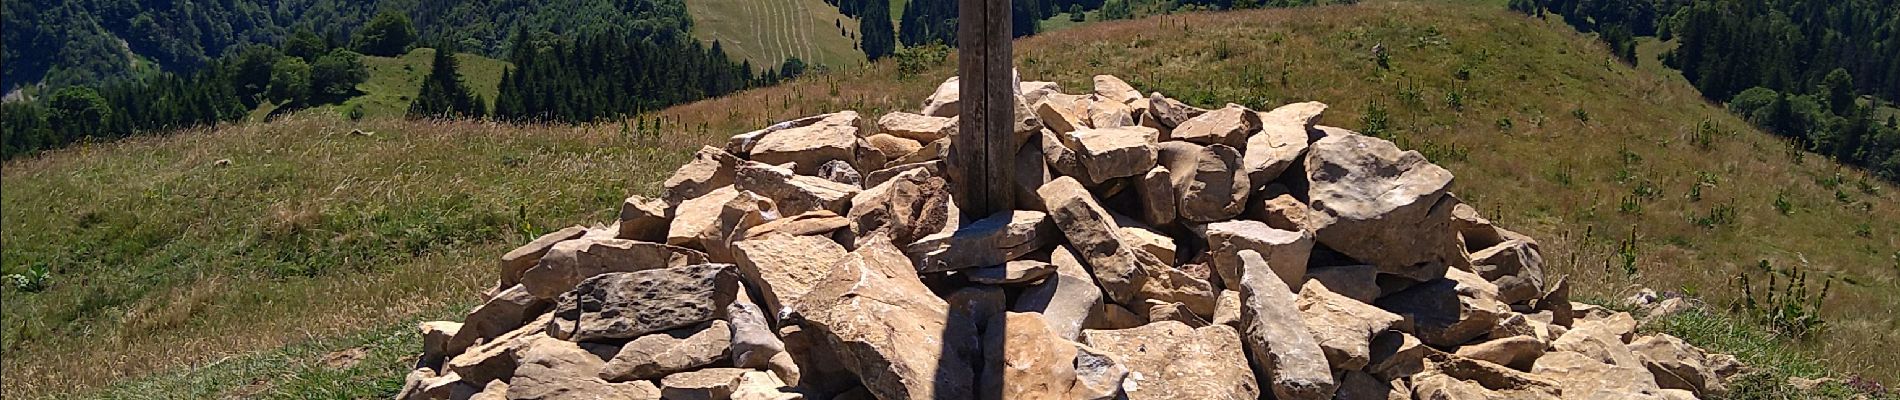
(643, 219)
(891, 147)
(1449, 376)
(873, 310)
(1396, 355)
(1173, 285)
(507, 311)
(1110, 114)
(1040, 364)
(1280, 210)
(1115, 89)
(705, 384)
(1286, 252)
(1115, 152)
(435, 341)
(1210, 187)
(1170, 113)
(1228, 125)
(944, 102)
(990, 241)
(842, 172)
(1120, 269)
(572, 261)
(1288, 360)
(1281, 141)
(626, 305)
(1156, 190)
(794, 194)
(1065, 299)
(1441, 316)
(522, 258)
(1344, 327)
(1678, 365)
(711, 168)
(1358, 282)
(695, 218)
(1584, 377)
(1061, 158)
(1161, 246)
(495, 358)
(1059, 119)
(1382, 206)
(815, 223)
(835, 137)
(906, 208)
(1159, 311)
(918, 127)
(1517, 352)
(659, 354)
(1515, 266)
(1169, 360)
(1227, 309)
(783, 267)
(1010, 273)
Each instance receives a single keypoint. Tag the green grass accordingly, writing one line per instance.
(163, 262)
(394, 81)
(766, 32)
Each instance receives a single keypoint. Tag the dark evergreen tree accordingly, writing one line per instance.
(443, 94)
(879, 38)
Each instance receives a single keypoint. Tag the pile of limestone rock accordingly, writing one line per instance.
(1156, 251)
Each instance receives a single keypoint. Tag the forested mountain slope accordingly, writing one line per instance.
(66, 42)
(322, 242)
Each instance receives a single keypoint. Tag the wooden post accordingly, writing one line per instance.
(983, 150)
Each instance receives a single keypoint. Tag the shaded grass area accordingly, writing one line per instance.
(1772, 360)
(394, 82)
(162, 259)
(1614, 169)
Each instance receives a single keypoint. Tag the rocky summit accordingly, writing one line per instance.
(1157, 251)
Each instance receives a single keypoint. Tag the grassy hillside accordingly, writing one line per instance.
(315, 244)
(766, 32)
(394, 81)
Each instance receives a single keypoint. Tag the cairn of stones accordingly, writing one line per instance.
(1157, 251)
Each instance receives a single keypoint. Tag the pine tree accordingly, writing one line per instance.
(879, 38)
(443, 94)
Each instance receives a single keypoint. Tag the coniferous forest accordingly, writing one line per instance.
(609, 75)
(1799, 68)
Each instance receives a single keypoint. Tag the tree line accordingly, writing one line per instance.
(591, 77)
(935, 21)
(90, 42)
(1797, 68)
(301, 73)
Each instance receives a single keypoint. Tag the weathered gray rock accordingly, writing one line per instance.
(918, 127)
(873, 310)
(626, 305)
(643, 219)
(1286, 252)
(1011, 273)
(505, 312)
(1585, 377)
(710, 169)
(1208, 182)
(1518, 352)
(1120, 269)
(571, 261)
(522, 258)
(990, 241)
(495, 358)
(1061, 158)
(695, 219)
(1678, 365)
(834, 137)
(1170, 113)
(435, 342)
(1228, 125)
(1115, 89)
(783, 267)
(1303, 115)
(1227, 309)
(1287, 359)
(705, 384)
(1033, 91)
(1156, 190)
(1344, 327)
(1065, 299)
(1155, 243)
(1396, 355)
(1515, 266)
(1359, 385)
(795, 194)
(1382, 206)
(755, 346)
(759, 385)
(1173, 285)
(905, 208)
(659, 354)
(842, 172)
(556, 369)
(1115, 152)
(945, 101)
(1040, 364)
(1278, 146)
(1452, 377)
(1358, 282)
(1441, 315)
(1170, 360)
(1280, 210)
